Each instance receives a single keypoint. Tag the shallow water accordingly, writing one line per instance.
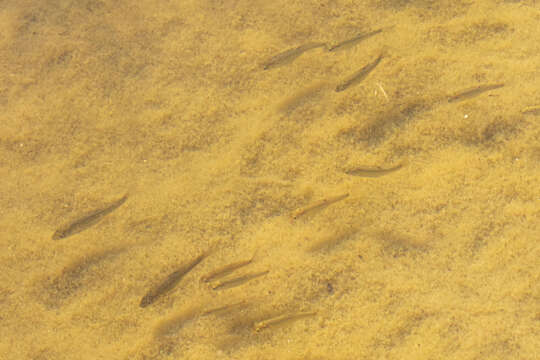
(170, 103)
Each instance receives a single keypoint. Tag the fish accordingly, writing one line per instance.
(317, 205)
(226, 308)
(355, 40)
(87, 220)
(372, 172)
(290, 55)
(358, 76)
(225, 270)
(472, 92)
(532, 110)
(170, 282)
(282, 319)
(227, 284)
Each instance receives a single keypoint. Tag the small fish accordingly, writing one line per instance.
(317, 205)
(222, 310)
(281, 319)
(360, 75)
(372, 172)
(532, 110)
(290, 55)
(355, 40)
(226, 270)
(87, 221)
(472, 92)
(227, 284)
(170, 282)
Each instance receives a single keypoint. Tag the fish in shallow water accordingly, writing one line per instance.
(355, 40)
(170, 282)
(87, 220)
(473, 92)
(372, 172)
(358, 76)
(317, 206)
(290, 55)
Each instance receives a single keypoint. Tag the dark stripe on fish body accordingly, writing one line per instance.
(170, 282)
(227, 284)
(87, 221)
(373, 172)
(359, 75)
(355, 40)
(289, 56)
(470, 93)
(225, 270)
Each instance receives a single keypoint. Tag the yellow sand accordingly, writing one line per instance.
(167, 100)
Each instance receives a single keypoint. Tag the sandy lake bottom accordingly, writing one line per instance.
(302, 179)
